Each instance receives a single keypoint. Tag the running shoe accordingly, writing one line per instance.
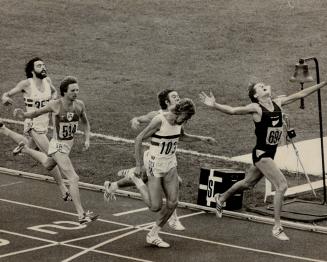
(17, 150)
(156, 241)
(278, 232)
(123, 172)
(219, 206)
(175, 224)
(109, 191)
(87, 217)
(67, 197)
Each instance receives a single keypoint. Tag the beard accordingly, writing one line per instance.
(41, 75)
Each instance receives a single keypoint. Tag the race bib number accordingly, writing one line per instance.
(168, 147)
(67, 130)
(41, 103)
(274, 134)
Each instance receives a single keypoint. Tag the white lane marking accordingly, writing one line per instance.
(28, 236)
(27, 250)
(131, 211)
(181, 236)
(244, 248)
(10, 184)
(130, 141)
(110, 254)
(104, 243)
(54, 243)
(97, 235)
(59, 211)
(192, 214)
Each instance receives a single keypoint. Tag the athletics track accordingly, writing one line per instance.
(36, 225)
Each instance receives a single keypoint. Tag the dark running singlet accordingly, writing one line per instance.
(65, 123)
(268, 132)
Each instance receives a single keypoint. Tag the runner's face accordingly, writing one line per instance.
(173, 98)
(72, 91)
(262, 90)
(40, 69)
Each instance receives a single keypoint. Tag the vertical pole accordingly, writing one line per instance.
(321, 130)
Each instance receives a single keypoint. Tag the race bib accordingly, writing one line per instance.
(67, 130)
(274, 134)
(168, 147)
(40, 103)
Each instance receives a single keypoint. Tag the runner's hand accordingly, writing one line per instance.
(135, 123)
(6, 100)
(208, 100)
(19, 113)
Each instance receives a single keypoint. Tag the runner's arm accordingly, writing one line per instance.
(210, 101)
(301, 94)
(194, 138)
(21, 114)
(20, 87)
(87, 127)
(54, 93)
(144, 119)
(153, 127)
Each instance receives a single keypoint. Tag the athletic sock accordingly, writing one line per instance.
(155, 230)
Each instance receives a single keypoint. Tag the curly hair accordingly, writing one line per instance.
(29, 67)
(68, 80)
(185, 105)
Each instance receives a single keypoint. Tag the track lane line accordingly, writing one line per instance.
(105, 243)
(131, 211)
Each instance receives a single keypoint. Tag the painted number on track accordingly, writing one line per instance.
(45, 228)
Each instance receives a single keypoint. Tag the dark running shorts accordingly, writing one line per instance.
(267, 153)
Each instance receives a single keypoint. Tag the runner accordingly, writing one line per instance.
(66, 113)
(160, 163)
(37, 91)
(166, 98)
(267, 116)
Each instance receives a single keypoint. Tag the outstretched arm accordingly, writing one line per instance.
(20, 87)
(303, 93)
(210, 101)
(194, 138)
(144, 119)
(21, 114)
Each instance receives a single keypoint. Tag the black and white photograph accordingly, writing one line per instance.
(163, 131)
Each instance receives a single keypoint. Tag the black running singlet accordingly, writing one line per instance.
(269, 130)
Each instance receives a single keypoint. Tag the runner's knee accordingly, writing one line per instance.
(50, 164)
(249, 184)
(155, 207)
(281, 187)
(172, 204)
(73, 179)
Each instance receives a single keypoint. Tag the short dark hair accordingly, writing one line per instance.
(163, 96)
(185, 105)
(29, 67)
(68, 80)
(252, 92)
